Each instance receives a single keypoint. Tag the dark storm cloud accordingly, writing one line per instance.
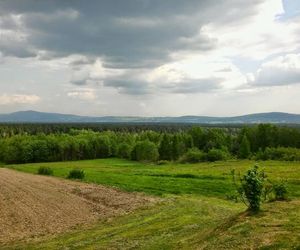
(126, 35)
(185, 86)
(82, 61)
(8, 22)
(132, 33)
(12, 40)
(131, 87)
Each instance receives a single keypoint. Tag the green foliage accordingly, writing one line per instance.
(255, 188)
(280, 153)
(244, 150)
(165, 148)
(49, 143)
(175, 147)
(45, 171)
(260, 155)
(124, 150)
(193, 155)
(252, 188)
(103, 146)
(197, 135)
(169, 147)
(145, 151)
(280, 191)
(215, 138)
(76, 174)
(216, 155)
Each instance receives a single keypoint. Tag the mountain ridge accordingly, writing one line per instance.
(31, 116)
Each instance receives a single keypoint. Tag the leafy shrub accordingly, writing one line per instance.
(280, 191)
(260, 155)
(280, 153)
(45, 171)
(145, 151)
(216, 155)
(193, 155)
(76, 174)
(251, 188)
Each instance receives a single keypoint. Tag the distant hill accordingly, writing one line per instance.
(42, 117)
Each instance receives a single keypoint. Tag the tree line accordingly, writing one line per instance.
(193, 144)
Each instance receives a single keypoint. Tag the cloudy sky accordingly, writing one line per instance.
(150, 57)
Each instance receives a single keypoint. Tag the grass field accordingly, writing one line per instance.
(193, 214)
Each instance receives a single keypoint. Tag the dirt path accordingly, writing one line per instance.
(33, 205)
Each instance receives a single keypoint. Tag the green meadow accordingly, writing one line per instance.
(194, 211)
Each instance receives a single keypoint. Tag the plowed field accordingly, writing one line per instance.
(34, 205)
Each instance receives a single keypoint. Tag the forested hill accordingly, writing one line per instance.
(42, 117)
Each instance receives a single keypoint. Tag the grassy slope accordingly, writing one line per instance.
(194, 213)
(208, 179)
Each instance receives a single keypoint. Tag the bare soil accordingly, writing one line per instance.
(34, 205)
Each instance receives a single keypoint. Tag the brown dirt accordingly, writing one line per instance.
(33, 205)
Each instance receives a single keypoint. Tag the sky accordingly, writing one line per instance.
(150, 57)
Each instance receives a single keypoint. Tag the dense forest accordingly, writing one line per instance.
(160, 143)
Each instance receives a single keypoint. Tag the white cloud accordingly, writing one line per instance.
(263, 35)
(200, 67)
(85, 94)
(93, 72)
(6, 99)
(283, 70)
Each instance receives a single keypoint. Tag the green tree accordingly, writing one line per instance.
(124, 150)
(215, 154)
(197, 137)
(146, 151)
(193, 155)
(175, 147)
(104, 148)
(165, 148)
(244, 150)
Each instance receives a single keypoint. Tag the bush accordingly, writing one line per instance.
(145, 151)
(45, 171)
(260, 155)
(280, 191)
(251, 189)
(76, 174)
(280, 153)
(216, 155)
(193, 155)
